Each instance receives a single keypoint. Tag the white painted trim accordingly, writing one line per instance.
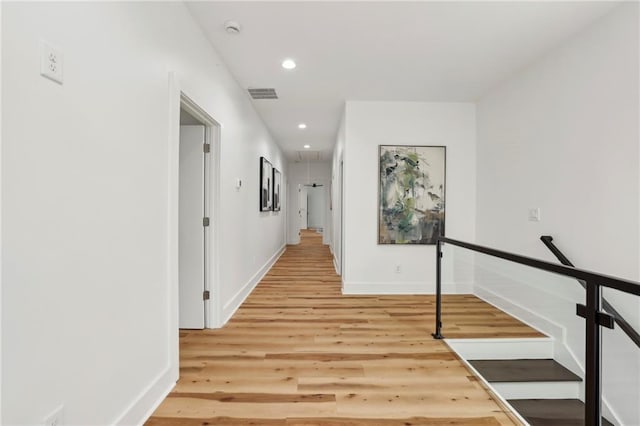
(385, 288)
(538, 390)
(1, 291)
(609, 414)
(149, 399)
(406, 287)
(177, 97)
(565, 356)
(335, 264)
(236, 301)
(561, 351)
(173, 179)
(521, 313)
(520, 348)
(215, 303)
(213, 135)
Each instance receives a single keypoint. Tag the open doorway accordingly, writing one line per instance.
(312, 207)
(316, 206)
(196, 192)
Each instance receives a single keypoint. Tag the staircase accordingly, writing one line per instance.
(551, 412)
(525, 376)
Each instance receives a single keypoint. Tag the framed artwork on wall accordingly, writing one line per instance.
(266, 185)
(411, 197)
(277, 184)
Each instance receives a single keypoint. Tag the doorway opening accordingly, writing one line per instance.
(312, 207)
(198, 143)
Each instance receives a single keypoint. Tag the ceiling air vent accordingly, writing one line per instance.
(308, 156)
(263, 93)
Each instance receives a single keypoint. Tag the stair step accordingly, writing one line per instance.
(523, 370)
(552, 412)
(519, 348)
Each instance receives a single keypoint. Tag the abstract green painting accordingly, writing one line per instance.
(411, 194)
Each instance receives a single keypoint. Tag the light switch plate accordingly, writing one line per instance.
(51, 62)
(534, 214)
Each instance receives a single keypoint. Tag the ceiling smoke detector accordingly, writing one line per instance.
(232, 27)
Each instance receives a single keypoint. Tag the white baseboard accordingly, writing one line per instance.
(404, 287)
(232, 306)
(521, 313)
(149, 399)
(335, 265)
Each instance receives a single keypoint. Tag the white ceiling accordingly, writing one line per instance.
(378, 51)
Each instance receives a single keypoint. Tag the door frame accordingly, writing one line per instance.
(211, 137)
(179, 97)
(342, 198)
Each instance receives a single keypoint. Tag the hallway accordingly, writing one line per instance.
(298, 352)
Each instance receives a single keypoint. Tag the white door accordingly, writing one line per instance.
(315, 206)
(302, 206)
(191, 239)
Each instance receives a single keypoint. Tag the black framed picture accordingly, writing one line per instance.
(411, 187)
(277, 185)
(266, 185)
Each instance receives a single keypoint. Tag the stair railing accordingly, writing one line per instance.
(617, 317)
(592, 312)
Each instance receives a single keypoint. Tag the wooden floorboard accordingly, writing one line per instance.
(298, 352)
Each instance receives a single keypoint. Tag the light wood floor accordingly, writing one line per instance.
(298, 352)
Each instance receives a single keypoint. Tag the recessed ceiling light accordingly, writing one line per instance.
(307, 146)
(302, 126)
(288, 64)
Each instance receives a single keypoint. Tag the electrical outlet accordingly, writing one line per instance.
(55, 418)
(398, 269)
(534, 214)
(50, 62)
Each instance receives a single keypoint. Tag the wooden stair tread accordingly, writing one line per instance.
(552, 412)
(524, 370)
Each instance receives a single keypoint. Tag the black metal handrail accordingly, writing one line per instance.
(591, 312)
(617, 317)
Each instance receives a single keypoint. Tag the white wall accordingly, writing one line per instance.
(86, 166)
(369, 267)
(299, 174)
(563, 135)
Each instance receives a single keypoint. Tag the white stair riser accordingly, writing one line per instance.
(482, 349)
(538, 390)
